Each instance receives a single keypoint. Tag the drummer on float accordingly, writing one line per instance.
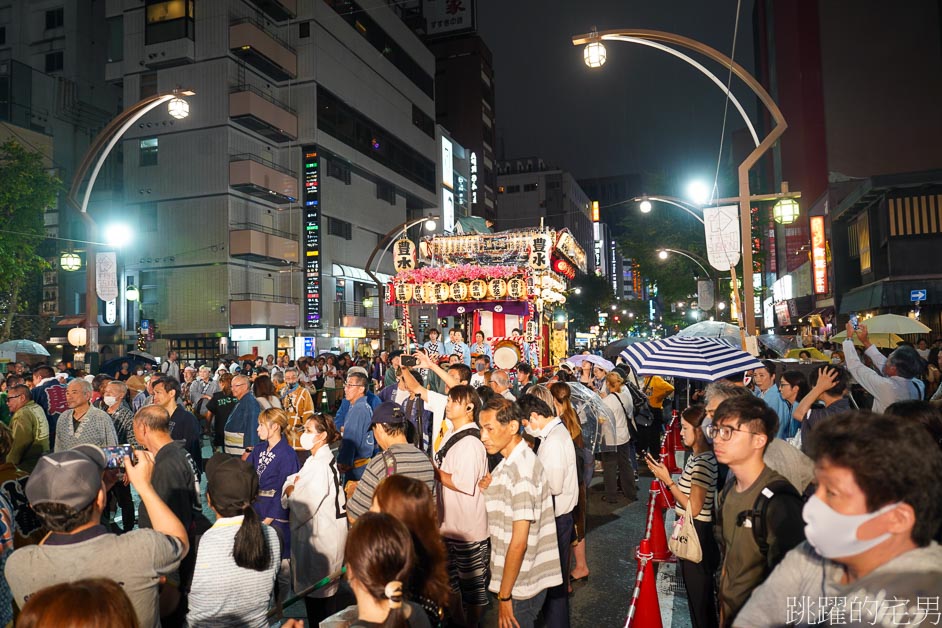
(481, 347)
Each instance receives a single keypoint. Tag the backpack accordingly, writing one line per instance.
(643, 416)
(440, 454)
(756, 518)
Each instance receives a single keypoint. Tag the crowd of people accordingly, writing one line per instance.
(427, 491)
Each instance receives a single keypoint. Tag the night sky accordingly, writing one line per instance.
(643, 111)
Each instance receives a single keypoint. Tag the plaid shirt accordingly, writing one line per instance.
(123, 419)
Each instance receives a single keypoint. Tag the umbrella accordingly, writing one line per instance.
(588, 405)
(712, 329)
(27, 347)
(894, 324)
(142, 356)
(612, 350)
(707, 359)
(597, 360)
(778, 343)
(814, 353)
(884, 341)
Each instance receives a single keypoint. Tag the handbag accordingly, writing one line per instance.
(684, 542)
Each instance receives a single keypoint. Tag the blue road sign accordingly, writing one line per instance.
(917, 295)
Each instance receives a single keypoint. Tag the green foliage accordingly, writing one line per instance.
(26, 190)
(595, 294)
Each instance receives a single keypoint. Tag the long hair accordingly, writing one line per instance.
(250, 549)
(411, 502)
(562, 395)
(90, 603)
(379, 556)
(263, 386)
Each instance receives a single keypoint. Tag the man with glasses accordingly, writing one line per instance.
(242, 425)
(755, 534)
(358, 445)
(30, 429)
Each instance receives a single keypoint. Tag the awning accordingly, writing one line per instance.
(869, 297)
(891, 294)
(357, 274)
(75, 321)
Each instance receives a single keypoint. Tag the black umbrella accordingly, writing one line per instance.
(612, 350)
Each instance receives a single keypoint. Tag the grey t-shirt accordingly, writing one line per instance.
(134, 560)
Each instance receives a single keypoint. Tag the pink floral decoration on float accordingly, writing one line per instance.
(463, 272)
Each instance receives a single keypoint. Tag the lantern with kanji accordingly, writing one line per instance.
(404, 292)
(442, 292)
(517, 288)
(405, 254)
(496, 288)
(418, 292)
(478, 289)
(540, 252)
(531, 332)
(459, 291)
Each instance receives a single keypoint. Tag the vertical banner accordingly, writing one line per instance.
(312, 238)
(106, 276)
(705, 295)
(819, 256)
(721, 228)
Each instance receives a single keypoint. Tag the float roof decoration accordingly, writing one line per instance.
(503, 248)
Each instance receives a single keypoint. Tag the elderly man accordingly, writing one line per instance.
(202, 390)
(896, 377)
(358, 445)
(869, 528)
(297, 403)
(500, 383)
(242, 424)
(114, 393)
(82, 422)
(29, 426)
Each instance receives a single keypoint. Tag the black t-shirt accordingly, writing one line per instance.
(174, 479)
(122, 377)
(185, 427)
(220, 406)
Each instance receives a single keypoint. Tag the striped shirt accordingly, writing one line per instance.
(700, 470)
(224, 594)
(519, 492)
(400, 458)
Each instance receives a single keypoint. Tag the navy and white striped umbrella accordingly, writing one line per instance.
(707, 359)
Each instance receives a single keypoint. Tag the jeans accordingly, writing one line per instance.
(556, 607)
(617, 464)
(526, 611)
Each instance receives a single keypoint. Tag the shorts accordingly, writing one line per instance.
(469, 570)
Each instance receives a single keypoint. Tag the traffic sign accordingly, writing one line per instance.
(917, 295)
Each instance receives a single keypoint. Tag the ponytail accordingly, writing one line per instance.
(396, 617)
(251, 550)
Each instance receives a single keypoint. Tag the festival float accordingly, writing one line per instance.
(494, 283)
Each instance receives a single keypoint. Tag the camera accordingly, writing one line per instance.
(408, 360)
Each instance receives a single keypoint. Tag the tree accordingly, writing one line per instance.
(26, 190)
(595, 293)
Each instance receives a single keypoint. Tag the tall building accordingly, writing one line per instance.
(533, 193)
(310, 136)
(856, 82)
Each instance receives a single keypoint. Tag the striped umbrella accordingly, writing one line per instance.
(706, 359)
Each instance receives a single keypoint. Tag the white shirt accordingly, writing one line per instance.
(462, 513)
(885, 390)
(509, 396)
(558, 455)
(436, 405)
(611, 401)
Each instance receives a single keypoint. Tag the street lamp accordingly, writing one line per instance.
(657, 39)
(70, 261)
(430, 225)
(132, 294)
(93, 160)
(645, 206)
(698, 192)
(118, 234)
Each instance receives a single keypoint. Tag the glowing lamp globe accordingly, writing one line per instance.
(70, 262)
(645, 206)
(77, 336)
(786, 211)
(594, 54)
(178, 108)
(132, 293)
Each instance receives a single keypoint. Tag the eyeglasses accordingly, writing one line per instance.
(9, 397)
(724, 432)
(349, 384)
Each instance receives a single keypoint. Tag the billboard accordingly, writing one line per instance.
(312, 237)
(448, 17)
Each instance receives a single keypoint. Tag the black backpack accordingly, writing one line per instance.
(440, 454)
(643, 416)
(756, 518)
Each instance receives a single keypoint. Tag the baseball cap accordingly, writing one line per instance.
(71, 477)
(358, 369)
(389, 412)
(231, 483)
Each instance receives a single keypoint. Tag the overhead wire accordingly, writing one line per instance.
(729, 79)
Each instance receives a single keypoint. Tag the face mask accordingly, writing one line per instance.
(110, 401)
(308, 440)
(140, 372)
(479, 368)
(834, 535)
(292, 386)
(532, 431)
(835, 360)
(705, 426)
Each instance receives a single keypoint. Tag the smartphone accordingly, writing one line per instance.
(115, 455)
(408, 360)
(854, 321)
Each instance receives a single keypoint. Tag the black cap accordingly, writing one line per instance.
(389, 412)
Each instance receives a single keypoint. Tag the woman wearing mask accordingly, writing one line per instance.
(274, 459)
(317, 509)
(696, 486)
(411, 502)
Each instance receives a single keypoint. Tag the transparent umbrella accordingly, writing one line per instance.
(589, 407)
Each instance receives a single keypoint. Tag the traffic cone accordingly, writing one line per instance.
(657, 535)
(645, 611)
(664, 497)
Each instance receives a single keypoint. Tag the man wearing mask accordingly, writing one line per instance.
(480, 366)
(298, 404)
(869, 529)
(123, 419)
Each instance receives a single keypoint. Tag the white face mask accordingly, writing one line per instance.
(834, 535)
(532, 431)
(140, 372)
(110, 401)
(308, 440)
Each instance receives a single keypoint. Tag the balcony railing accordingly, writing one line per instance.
(252, 42)
(262, 113)
(278, 10)
(262, 178)
(256, 243)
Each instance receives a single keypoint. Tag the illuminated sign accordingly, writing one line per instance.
(595, 211)
(819, 255)
(461, 191)
(353, 332)
(312, 238)
(474, 178)
(240, 334)
(448, 167)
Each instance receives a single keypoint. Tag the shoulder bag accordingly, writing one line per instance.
(684, 542)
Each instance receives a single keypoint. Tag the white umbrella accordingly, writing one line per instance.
(894, 324)
(592, 359)
(27, 347)
(707, 359)
(712, 329)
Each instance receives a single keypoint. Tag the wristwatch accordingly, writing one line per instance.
(505, 599)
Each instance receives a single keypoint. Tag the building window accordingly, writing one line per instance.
(386, 192)
(340, 228)
(3, 35)
(115, 38)
(863, 242)
(54, 61)
(304, 30)
(148, 151)
(168, 20)
(530, 187)
(338, 170)
(513, 189)
(423, 121)
(55, 18)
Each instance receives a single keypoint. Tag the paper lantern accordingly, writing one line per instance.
(404, 292)
(442, 292)
(70, 261)
(77, 336)
(431, 296)
(517, 288)
(418, 292)
(496, 288)
(459, 291)
(404, 254)
(786, 211)
(478, 289)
